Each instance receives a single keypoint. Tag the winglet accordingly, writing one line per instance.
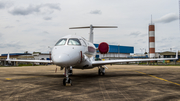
(177, 55)
(8, 57)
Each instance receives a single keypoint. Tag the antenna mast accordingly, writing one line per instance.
(151, 20)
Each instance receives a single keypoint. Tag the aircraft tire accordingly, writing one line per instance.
(99, 72)
(70, 81)
(64, 81)
(103, 73)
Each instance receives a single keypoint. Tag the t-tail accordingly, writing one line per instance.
(91, 36)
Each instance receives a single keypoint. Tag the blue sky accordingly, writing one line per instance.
(35, 25)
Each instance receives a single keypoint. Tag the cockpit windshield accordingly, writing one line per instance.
(74, 41)
(61, 42)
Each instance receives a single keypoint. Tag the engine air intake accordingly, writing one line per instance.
(103, 48)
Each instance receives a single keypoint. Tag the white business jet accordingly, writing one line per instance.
(76, 52)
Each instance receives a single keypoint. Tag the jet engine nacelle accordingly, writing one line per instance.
(103, 48)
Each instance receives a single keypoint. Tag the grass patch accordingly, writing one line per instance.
(167, 65)
(160, 64)
(27, 65)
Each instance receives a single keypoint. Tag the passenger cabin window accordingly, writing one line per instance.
(74, 41)
(61, 42)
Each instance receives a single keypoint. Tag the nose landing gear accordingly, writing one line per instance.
(67, 81)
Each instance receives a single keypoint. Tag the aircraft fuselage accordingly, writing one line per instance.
(73, 51)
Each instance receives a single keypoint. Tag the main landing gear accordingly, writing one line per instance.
(101, 71)
(67, 81)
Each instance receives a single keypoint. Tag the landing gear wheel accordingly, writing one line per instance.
(99, 72)
(69, 83)
(103, 73)
(64, 81)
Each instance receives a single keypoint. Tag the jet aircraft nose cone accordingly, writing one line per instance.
(62, 59)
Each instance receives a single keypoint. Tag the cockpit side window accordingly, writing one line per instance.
(74, 41)
(61, 42)
(82, 42)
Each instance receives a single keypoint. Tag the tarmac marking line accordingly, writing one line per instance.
(22, 78)
(8, 79)
(159, 78)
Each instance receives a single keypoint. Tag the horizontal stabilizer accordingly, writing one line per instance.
(105, 27)
(94, 27)
(91, 30)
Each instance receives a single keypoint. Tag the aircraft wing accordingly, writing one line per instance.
(38, 61)
(99, 63)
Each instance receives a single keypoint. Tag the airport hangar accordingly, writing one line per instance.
(115, 52)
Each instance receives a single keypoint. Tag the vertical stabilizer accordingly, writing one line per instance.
(91, 34)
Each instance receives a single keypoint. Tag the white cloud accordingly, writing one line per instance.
(45, 32)
(10, 45)
(135, 33)
(34, 9)
(47, 18)
(167, 18)
(1, 35)
(2, 4)
(9, 27)
(96, 12)
(36, 18)
(5, 4)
